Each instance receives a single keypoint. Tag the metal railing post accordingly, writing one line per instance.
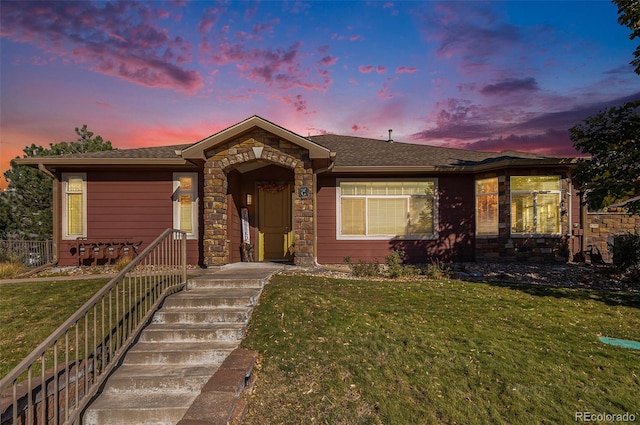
(139, 289)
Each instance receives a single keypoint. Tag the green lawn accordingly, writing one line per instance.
(29, 312)
(363, 352)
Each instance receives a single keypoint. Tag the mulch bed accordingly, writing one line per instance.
(569, 275)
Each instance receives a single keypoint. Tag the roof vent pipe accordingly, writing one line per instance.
(390, 139)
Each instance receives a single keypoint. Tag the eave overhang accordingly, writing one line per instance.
(52, 162)
(197, 151)
(475, 168)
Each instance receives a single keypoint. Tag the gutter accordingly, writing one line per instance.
(332, 158)
(555, 162)
(55, 208)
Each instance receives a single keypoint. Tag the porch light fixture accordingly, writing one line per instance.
(249, 199)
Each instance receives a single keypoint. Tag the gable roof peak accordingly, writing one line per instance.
(197, 150)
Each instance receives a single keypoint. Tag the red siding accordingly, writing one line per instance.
(455, 228)
(126, 204)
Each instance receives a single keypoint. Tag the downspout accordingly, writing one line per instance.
(332, 157)
(55, 210)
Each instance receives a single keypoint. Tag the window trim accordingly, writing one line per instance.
(339, 236)
(535, 206)
(478, 195)
(194, 234)
(65, 205)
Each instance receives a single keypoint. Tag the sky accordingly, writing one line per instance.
(492, 76)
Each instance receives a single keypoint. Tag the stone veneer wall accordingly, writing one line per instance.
(507, 248)
(222, 158)
(602, 226)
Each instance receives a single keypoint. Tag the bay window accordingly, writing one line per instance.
(384, 209)
(535, 205)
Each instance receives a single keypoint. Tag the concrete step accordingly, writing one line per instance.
(211, 281)
(172, 353)
(160, 378)
(143, 408)
(200, 315)
(223, 331)
(213, 297)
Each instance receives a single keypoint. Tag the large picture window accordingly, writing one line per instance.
(185, 203)
(535, 205)
(383, 209)
(487, 206)
(74, 208)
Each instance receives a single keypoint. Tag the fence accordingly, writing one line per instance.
(55, 383)
(31, 253)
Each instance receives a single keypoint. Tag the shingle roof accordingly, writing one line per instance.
(156, 152)
(351, 153)
(361, 152)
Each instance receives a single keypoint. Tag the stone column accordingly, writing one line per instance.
(215, 215)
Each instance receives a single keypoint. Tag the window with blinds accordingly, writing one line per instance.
(74, 207)
(386, 208)
(535, 205)
(185, 209)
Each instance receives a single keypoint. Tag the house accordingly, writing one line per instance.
(317, 199)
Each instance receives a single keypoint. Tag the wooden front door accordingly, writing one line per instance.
(275, 235)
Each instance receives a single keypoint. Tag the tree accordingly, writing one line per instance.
(27, 202)
(629, 15)
(612, 174)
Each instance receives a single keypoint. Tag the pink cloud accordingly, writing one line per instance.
(552, 142)
(355, 37)
(365, 69)
(357, 128)
(121, 40)
(406, 70)
(381, 69)
(297, 102)
(385, 92)
(328, 60)
(279, 68)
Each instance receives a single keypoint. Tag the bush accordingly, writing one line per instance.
(395, 268)
(437, 271)
(362, 269)
(626, 251)
(11, 269)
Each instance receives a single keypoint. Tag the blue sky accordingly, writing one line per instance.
(478, 75)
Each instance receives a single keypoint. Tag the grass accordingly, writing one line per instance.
(433, 352)
(29, 312)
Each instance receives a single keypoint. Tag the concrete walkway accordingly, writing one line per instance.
(187, 368)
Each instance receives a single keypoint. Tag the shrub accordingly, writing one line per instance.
(362, 269)
(438, 271)
(11, 269)
(626, 251)
(395, 268)
(122, 263)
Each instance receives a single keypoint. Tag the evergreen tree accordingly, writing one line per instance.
(26, 205)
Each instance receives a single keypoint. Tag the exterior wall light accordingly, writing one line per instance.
(249, 199)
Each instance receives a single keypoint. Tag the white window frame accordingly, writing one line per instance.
(478, 196)
(194, 204)
(340, 236)
(65, 205)
(535, 194)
